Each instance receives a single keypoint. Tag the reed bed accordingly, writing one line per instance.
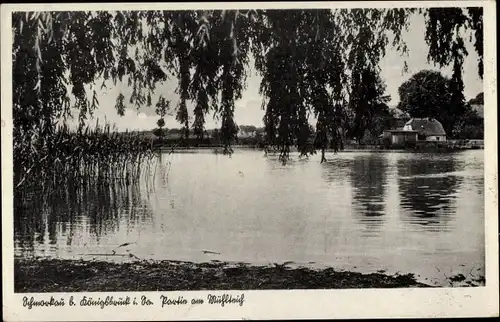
(87, 156)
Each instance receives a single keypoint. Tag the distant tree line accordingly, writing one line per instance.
(253, 136)
(426, 94)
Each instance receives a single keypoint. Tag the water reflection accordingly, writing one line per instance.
(359, 211)
(428, 188)
(98, 208)
(368, 179)
(336, 169)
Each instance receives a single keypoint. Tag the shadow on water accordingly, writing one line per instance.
(99, 207)
(335, 169)
(366, 174)
(368, 178)
(427, 188)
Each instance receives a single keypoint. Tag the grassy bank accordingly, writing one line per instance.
(52, 275)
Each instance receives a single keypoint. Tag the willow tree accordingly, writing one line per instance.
(310, 62)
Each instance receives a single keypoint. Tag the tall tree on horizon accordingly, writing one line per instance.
(430, 94)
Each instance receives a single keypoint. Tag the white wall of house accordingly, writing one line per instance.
(436, 138)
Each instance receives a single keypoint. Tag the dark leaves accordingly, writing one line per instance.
(443, 34)
(311, 61)
(476, 24)
(183, 118)
(162, 107)
(120, 106)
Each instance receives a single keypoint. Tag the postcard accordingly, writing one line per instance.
(260, 160)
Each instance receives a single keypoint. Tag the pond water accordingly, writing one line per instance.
(420, 213)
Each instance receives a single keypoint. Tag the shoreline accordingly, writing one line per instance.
(57, 275)
(367, 148)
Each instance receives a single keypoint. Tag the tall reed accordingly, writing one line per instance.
(89, 155)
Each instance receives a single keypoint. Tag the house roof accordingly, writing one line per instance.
(426, 126)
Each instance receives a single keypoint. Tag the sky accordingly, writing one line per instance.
(248, 110)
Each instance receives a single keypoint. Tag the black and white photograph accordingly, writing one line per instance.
(208, 148)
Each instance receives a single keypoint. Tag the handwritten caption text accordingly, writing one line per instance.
(123, 301)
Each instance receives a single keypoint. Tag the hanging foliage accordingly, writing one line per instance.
(312, 63)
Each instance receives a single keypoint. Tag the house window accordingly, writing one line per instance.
(437, 138)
